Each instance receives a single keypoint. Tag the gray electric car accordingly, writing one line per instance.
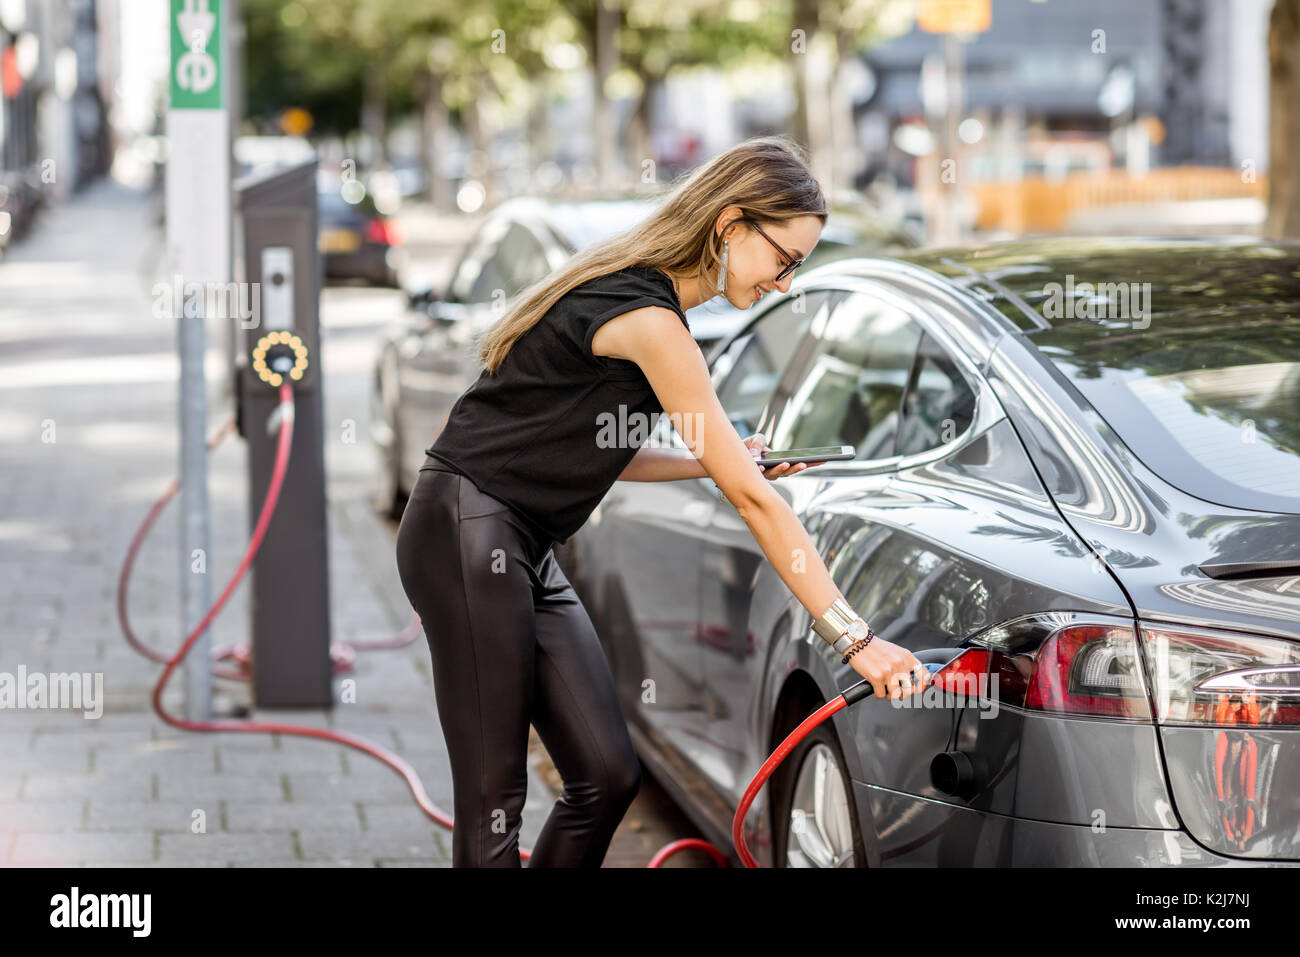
(1077, 474)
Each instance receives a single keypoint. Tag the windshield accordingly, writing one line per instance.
(1212, 408)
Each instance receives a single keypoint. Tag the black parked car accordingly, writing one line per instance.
(356, 240)
(22, 196)
(1088, 494)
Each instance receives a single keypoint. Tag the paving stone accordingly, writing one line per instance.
(286, 815)
(222, 848)
(40, 786)
(106, 815)
(208, 788)
(65, 815)
(62, 848)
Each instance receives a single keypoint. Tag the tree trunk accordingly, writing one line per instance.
(641, 126)
(843, 130)
(813, 79)
(820, 144)
(481, 167)
(435, 142)
(373, 119)
(1284, 120)
(539, 131)
(606, 61)
(805, 19)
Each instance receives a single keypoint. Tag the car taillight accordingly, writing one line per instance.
(1090, 664)
(1201, 676)
(1067, 663)
(383, 231)
(965, 674)
(1087, 669)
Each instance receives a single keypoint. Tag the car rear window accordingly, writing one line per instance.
(333, 204)
(1213, 408)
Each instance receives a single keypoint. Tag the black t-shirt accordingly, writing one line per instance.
(552, 430)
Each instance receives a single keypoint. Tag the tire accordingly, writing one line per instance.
(392, 497)
(831, 837)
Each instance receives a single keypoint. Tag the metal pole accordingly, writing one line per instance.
(196, 592)
(198, 245)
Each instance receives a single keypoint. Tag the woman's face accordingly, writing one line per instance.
(753, 262)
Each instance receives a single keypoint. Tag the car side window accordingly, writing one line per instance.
(520, 260)
(939, 403)
(469, 280)
(747, 373)
(852, 388)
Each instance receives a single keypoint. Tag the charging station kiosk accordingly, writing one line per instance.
(275, 237)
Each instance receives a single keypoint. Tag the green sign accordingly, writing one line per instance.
(196, 54)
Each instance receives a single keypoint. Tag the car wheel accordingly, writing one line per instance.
(815, 820)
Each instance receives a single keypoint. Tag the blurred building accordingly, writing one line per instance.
(1067, 108)
(53, 82)
(1184, 81)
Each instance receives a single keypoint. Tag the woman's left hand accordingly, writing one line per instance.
(758, 447)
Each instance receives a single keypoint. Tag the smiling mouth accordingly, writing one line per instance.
(758, 294)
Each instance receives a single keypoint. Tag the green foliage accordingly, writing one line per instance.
(321, 54)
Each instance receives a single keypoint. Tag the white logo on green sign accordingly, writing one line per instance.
(196, 55)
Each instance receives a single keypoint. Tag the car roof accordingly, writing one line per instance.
(592, 217)
(1190, 277)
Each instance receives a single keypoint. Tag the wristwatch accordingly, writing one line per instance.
(839, 626)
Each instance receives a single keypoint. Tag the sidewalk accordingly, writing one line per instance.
(88, 440)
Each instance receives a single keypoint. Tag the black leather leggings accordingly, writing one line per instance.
(511, 645)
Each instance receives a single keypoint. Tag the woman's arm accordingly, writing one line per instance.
(653, 463)
(655, 339)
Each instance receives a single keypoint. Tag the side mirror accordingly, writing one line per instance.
(417, 300)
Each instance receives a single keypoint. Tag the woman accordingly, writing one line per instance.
(526, 454)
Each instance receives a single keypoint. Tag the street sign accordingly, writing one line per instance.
(196, 55)
(954, 16)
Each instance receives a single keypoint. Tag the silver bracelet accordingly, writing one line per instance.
(837, 626)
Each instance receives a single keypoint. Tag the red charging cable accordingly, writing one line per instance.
(343, 659)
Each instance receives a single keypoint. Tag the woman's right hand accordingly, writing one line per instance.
(889, 667)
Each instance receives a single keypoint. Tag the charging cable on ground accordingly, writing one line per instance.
(344, 659)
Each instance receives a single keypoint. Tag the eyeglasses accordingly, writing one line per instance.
(790, 266)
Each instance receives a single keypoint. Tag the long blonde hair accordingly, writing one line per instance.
(766, 176)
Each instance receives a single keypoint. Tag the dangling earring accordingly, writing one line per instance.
(722, 272)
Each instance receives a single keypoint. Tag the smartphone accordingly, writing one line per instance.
(821, 453)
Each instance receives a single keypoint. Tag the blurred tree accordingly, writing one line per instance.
(381, 43)
(599, 22)
(515, 65)
(350, 63)
(354, 63)
(823, 121)
(1284, 119)
(279, 53)
(660, 37)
